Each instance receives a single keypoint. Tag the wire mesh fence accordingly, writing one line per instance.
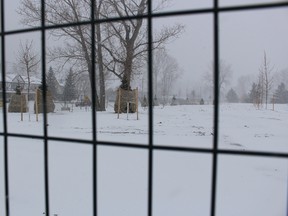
(151, 151)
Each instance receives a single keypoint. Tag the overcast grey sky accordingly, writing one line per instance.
(244, 36)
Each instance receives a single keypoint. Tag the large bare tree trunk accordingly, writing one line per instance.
(102, 98)
(126, 80)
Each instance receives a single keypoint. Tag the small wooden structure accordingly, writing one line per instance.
(18, 102)
(126, 102)
(38, 104)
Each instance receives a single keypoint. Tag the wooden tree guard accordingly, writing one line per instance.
(18, 104)
(38, 104)
(126, 102)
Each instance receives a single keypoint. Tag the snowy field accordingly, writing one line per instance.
(247, 186)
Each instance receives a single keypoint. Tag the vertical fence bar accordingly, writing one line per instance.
(150, 106)
(3, 68)
(93, 93)
(216, 106)
(44, 88)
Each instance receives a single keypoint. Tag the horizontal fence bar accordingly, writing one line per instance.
(154, 147)
(154, 15)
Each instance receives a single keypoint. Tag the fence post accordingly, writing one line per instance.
(21, 106)
(119, 101)
(128, 104)
(36, 104)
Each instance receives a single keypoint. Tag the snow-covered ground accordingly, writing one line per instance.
(247, 185)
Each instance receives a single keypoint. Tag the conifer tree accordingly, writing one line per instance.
(281, 94)
(232, 96)
(69, 92)
(255, 94)
(52, 83)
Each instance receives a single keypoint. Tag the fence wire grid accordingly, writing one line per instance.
(215, 11)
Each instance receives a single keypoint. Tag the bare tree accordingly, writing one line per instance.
(243, 84)
(77, 39)
(127, 42)
(28, 61)
(120, 45)
(265, 78)
(225, 75)
(127, 39)
(159, 67)
(165, 71)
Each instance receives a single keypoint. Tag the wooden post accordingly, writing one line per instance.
(119, 101)
(36, 104)
(136, 102)
(127, 109)
(21, 107)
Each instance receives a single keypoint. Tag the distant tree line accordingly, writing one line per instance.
(280, 95)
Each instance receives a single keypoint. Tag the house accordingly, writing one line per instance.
(14, 80)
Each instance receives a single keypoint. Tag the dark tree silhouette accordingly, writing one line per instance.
(281, 94)
(52, 83)
(232, 96)
(69, 92)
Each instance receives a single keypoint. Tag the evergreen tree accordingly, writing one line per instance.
(281, 94)
(51, 83)
(69, 92)
(255, 94)
(232, 96)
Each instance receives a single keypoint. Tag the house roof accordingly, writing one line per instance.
(33, 80)
(15, 78)
(8, 78)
